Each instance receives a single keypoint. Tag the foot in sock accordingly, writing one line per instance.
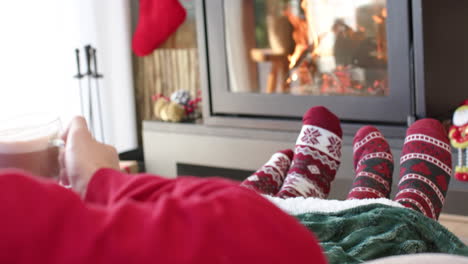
(373, 165)
(316, 156)
(269, 178)
(425, 168)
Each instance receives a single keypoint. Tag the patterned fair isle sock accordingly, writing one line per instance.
(269, 178)
(316, 156)
(373, 164)
(425, 168)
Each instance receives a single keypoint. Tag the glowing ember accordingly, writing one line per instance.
(384, 12)
(294, 77)
(378, 19)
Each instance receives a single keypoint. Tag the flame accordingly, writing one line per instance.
(315, 45)
(301, 39)
(378, 19)
(315, 37)
(294, 57)
(300, 34)
(305, 38)
(384, 13)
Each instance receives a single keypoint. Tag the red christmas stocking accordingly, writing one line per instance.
(158, 19)
(425, 168)
(316, 156)
(269, 178)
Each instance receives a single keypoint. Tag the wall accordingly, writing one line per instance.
(442, 55)
(106, 25)
(38, 61)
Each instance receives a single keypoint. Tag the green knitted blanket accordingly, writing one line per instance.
(375, 230)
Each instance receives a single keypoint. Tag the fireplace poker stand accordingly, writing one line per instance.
(90, 93)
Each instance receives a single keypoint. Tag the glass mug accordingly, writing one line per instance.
(32, 143)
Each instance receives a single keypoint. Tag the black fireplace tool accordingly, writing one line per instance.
(93, 90)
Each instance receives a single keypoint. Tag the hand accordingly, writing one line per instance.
(83, 155)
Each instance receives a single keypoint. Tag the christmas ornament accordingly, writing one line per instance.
(458, 134)
(181, 97)
(179, 107)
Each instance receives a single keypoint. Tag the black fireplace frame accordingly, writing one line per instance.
(405, 103)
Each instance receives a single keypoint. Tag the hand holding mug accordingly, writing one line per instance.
(83, 155)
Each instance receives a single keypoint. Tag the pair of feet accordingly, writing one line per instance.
(309, 170)
(425, 164)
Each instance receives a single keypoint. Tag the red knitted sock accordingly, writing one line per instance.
(316, 156)
(269, 178)
(373, 164)
(425, 168)
(158, 19)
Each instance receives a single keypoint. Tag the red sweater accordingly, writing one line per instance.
(146, 219)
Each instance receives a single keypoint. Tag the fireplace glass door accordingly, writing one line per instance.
(279, 57)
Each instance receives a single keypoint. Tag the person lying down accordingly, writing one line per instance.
(368, 224)
(113, 217)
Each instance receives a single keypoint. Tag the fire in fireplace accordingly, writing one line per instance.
(338, 47)
(342, 53)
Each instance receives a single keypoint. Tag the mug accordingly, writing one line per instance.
(32, 143)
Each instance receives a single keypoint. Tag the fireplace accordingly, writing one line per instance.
(245, 120)
(263, 61)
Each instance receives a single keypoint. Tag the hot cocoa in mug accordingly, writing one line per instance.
(31, 143)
